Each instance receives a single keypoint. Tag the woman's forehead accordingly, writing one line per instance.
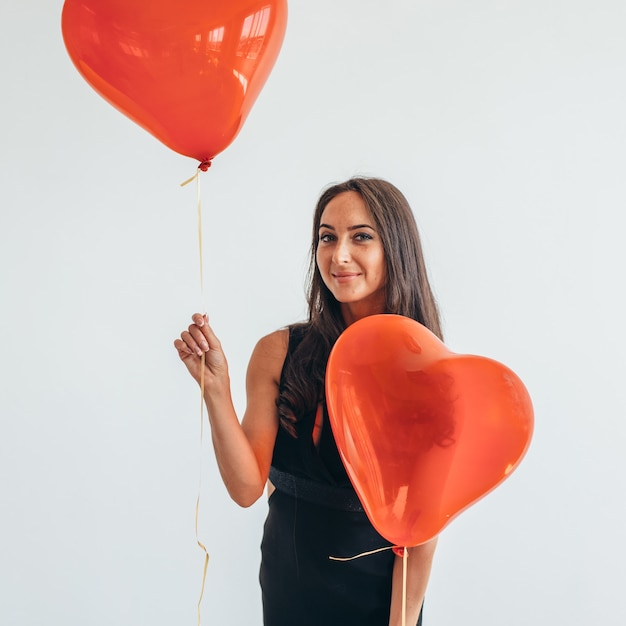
(346, 207)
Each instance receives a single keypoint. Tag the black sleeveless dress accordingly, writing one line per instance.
(314, 514)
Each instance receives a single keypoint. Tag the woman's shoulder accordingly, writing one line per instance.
(276, 342)
(271, 350)
(269, 356)
(280, 339)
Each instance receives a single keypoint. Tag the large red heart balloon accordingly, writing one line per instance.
(188, 72)
(423, 432)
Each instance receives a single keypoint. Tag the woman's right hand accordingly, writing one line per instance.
(198, 340)
(243, 449)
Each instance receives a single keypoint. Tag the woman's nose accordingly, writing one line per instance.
(342, 252)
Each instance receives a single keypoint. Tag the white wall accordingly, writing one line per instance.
(504, 124)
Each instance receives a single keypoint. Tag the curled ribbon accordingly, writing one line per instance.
(204, 166)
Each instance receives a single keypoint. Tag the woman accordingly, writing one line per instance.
(366, 258)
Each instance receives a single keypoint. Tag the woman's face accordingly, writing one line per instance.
(350, 256)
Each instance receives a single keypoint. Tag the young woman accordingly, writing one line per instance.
(366, 258)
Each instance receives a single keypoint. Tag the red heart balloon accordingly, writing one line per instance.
(423, 432)
(188, 72)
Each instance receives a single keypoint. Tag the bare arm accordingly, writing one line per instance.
(418, 572)
(243, 450)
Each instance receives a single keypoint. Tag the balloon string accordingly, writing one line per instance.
(198, 541)
(405, 558)
(201, 545)
(396, 549)
(206, 562)
(358, 556)
(196, 177)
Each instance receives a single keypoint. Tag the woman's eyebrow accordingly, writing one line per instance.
(355, 227)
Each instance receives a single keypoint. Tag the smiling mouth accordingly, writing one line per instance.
(345, 277)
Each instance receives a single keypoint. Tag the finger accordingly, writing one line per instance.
(200, 336)
(201, 325)
(202, 322)
(213, 342)
(194, 340)
(183, 349)
(199, 320)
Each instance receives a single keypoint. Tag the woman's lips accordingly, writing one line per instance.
(345, 277)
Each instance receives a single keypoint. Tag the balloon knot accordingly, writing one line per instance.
(399, 550)
(204, 166)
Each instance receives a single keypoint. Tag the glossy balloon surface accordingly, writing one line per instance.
(423, 432)
(188, 72)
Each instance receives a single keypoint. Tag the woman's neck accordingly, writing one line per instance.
(354, 311)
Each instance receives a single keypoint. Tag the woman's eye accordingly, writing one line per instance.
(363, 237)
(326, 237)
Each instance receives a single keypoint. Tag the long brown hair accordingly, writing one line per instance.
(408, 293)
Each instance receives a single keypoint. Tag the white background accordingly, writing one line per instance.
(502, 121)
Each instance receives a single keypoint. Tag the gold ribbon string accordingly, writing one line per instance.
(201, 545)
(196, 177)
(358, 556)
(405, 558)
